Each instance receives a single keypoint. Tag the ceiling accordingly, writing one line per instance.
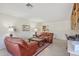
(44, 11)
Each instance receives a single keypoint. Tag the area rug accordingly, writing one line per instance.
(41, 49)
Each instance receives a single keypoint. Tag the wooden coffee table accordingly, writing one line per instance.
(40, 41)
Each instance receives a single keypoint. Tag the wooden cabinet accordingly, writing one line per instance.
(75, 17)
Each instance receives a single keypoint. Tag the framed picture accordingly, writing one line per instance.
(44, 28)
(25, 27)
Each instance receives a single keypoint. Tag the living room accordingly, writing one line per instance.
(27, 20)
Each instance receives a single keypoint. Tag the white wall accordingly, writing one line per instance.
(60, 29)
(6, 21)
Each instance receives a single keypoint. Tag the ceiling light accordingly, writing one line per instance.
(29, 5)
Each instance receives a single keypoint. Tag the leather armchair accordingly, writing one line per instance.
(19, 47)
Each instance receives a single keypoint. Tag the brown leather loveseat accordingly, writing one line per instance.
(19, 47)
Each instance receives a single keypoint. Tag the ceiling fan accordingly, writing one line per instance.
(29, 5)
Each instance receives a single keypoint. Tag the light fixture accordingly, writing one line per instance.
(35, 32)
(29, 5)
(12, 28)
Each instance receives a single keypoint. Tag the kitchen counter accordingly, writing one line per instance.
(73, 47)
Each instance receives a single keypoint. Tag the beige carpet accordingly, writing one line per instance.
(58, 48)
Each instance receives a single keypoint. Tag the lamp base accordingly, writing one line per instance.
(11, 35)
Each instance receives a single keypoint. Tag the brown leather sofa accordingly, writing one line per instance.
(47, 36)
(19, 47)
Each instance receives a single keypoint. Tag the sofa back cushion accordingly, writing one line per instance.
(16, 40)
(45, 34)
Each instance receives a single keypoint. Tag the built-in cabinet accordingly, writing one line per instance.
(75, 17)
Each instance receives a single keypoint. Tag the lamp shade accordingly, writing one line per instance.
(11, 29)
(35, 29)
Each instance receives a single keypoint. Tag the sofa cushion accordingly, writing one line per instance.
(17, 40)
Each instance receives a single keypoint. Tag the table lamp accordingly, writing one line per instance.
(35, 32)
(11, 30)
